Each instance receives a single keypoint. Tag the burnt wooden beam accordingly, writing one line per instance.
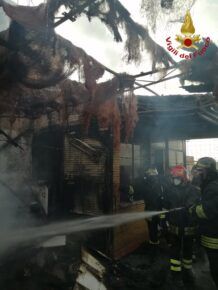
(10, 140)
(70, 15)
(149, 90)
(13, 141)
(159, 81)
(158, 70)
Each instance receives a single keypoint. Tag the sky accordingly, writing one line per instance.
(97, 41)
(202, 148)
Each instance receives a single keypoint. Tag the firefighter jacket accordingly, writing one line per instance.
(182, 196)
(154, 193)
(207, 213)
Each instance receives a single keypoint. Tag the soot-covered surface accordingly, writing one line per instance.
(57, 268)
(149, 269)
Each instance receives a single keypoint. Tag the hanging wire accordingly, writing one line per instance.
(158, 16)
(165, 75)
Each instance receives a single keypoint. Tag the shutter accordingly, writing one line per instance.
(84, 169)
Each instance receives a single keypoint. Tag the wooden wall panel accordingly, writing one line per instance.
(129, 237)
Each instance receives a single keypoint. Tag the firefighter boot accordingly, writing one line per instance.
(188, 276)
(154, 251)
(176, 281)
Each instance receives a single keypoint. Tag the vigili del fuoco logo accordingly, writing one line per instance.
(188, 40)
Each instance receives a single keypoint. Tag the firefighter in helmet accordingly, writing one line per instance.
(154, 196)
(206, 211)
(182, 194)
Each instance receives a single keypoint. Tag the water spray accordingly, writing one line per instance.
(34, 234)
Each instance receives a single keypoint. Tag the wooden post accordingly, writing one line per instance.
(166, 155)
(133, 163)
(116, 176)
(184, 152)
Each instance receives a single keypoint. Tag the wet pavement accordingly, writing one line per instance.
(57, 269)
(149, 269)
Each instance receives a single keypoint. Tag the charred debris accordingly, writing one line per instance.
(62, 139)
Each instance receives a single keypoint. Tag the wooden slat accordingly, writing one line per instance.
(128, 237)
(79, 166)
(77, 163)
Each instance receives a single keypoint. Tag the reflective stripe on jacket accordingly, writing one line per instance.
(210, 243)
(207, 212)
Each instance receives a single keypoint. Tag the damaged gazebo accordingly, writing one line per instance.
(36, 65)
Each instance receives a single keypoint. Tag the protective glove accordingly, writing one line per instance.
(184, 212)
(192, 209)
(178, 212)
(192, 212)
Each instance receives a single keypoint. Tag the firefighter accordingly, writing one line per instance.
(154, 200)
(126, 187)
(206, 212)
(182, 194)
(194, 177)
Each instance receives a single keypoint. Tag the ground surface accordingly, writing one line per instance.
(32, 268)
(145, 269)
(57, 268)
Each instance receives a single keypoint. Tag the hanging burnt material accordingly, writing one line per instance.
(39, 57)
(129, 111)
(202, 70)
(104, 107)
(161, 14)
(115, 16)
(19, 101)
(166, 4)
